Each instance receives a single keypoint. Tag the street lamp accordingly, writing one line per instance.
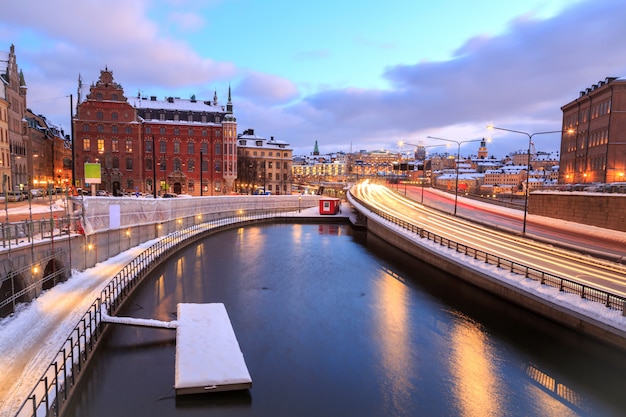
(458, 157)
(530, 142)
(401, 144)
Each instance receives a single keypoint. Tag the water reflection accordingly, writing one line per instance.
(333, 325)
(477, 388)
(393, 333)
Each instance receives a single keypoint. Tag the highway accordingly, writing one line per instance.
(599, 273)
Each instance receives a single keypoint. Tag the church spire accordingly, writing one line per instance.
(316, 149)
(229, 105)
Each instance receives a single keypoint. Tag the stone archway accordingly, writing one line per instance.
(11, 285)
(52, 274)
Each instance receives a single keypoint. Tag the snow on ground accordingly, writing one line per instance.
(32, 336)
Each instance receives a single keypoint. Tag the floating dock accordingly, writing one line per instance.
(208, 357)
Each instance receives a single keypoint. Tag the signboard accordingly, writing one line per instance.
(92, 173)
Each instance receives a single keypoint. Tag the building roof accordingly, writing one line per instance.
(176, 103)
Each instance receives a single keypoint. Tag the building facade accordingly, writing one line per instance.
(595, 151)
(48, 156)
(263, 164)
(13, 146)
(145, 145)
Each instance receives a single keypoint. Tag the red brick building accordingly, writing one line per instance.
(596, 150)
(177, 144)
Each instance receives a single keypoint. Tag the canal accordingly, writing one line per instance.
(333, 322)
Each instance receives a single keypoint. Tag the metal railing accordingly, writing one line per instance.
(610, 300)
(52, 390)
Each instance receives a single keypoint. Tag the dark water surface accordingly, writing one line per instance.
(336, 324)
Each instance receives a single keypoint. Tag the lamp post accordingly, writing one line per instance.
(530, 142)
(201, 185)
(401, 144)
(458, 157)
(154, 190)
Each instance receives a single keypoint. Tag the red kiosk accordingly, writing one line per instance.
(330, 205)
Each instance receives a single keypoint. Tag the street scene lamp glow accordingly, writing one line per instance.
(458, 156)
(530, 142)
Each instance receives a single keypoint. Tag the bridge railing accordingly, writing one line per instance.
(52, 389)
(610, 300)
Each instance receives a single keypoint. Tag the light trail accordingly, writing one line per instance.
(598, 273)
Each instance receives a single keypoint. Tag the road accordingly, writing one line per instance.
(596, 272)
(581, 238)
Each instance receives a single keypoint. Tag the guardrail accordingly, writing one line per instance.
(587, 292)
(15, 232)
(52, 390)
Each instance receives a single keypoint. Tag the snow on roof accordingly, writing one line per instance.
(175, 103)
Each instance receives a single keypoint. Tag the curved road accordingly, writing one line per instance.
(596, 272)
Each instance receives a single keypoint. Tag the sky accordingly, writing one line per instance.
(350, 75)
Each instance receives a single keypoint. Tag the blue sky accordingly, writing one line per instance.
(351, 75)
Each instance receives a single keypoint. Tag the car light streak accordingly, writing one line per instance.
(574, 266)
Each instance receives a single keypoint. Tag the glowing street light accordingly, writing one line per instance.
(530, 142)
(458, 157)
(401, 143)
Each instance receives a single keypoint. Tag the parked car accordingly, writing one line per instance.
(15, 196)
(169, 195)
(102, 193)
(37, 192)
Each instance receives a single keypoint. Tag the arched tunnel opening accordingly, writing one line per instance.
(12, 285)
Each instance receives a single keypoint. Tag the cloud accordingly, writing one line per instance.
(520, 78)
(267, 89)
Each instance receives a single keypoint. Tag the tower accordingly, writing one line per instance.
(482, 150)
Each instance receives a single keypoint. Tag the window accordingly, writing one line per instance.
(148, 129)
(148, 164)
(99, 115)
(190, 131)
(177, 146)
(114, 129)
(130, 184)
(100, 128)
(218, 148)
(129, 130)
(162, 146)
(218, 165)
(129, 164)
(114, 97)
(190, 165)
(218, 133)
(129, 146)
(116, 162)
(176, 164)
(85, 128)
(190, 186)
(99, 96)
(114, 116)
(86, 145)
(270, 164)
(149, 146)
(176, 131)
(100, 145)
(205, 148)
(162, 166)
(162, 130)
(205, 165)
(190, 148)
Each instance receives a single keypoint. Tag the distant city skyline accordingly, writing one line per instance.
(363, 77)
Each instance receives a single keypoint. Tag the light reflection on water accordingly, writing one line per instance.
(330, 325)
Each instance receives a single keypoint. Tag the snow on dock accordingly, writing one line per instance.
(208, 357)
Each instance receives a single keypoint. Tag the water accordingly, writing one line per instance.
(335, 324)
